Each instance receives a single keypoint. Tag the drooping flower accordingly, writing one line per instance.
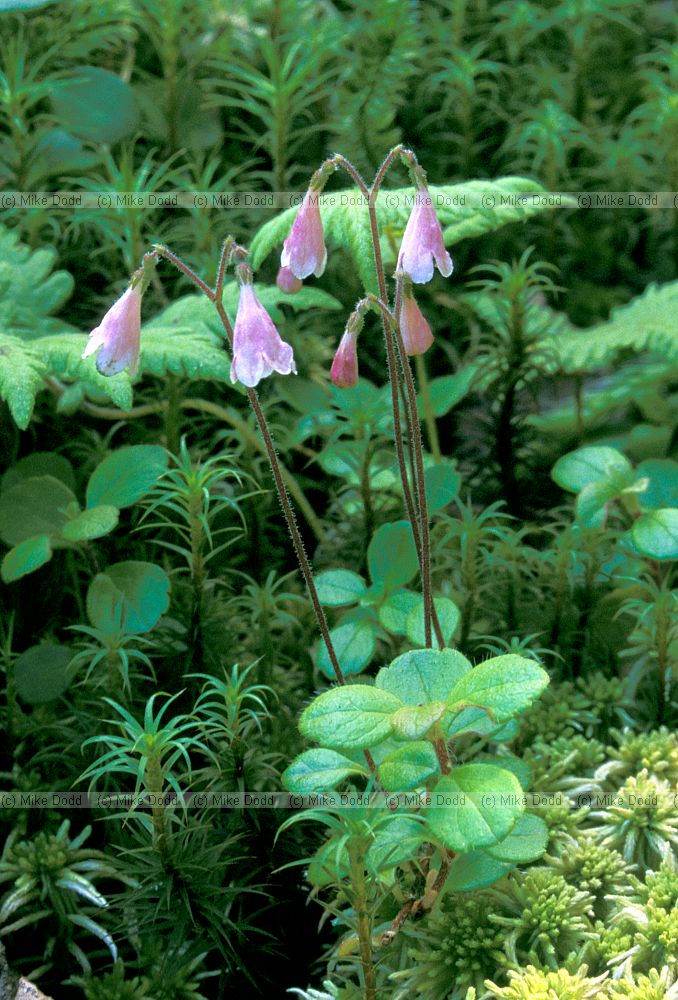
(258, 349)
(416, 333)
(344, 370)
(423, 242)
(304, 250)
(287, 281)
(118, 335)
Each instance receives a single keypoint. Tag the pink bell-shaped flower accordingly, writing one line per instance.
(258, 349)
(287, 281)
(423, 242)
(416, 332)
(118, 335)
(304, 250)
(344, 370)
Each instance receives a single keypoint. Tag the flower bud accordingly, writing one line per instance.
(416, 332)
(287, 281)
(344, 370)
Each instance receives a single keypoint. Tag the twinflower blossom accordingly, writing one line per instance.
(416, 332)
(304, 250)
(258, 349)
(344, 370)
(117, 336)
(423, 242)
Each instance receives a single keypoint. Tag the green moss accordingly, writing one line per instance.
(533, 984)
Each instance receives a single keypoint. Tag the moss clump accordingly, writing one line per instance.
(533, 984)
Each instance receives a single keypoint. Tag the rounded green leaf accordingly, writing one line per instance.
(655, 534)
(504, 685)
(318, 770)
(40, 463)
(26, 557)
(526, 841)
(126, 475)
(662, 488)
(475, 806)
(392, 556)
(449, 617)
(92, 523)
(408, 766)
(130, 596)
(442, 485)
(35, 506)
(475, 870)
(396, 843)
(423, 675)
(354, 715)
(394, 611)
(339, 587)
(353, 644)
(41, 673)
(96, 105)
(411, 722)
(591, 504)
(587, 465)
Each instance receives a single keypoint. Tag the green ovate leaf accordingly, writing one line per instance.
(449, 617)
(655, 534)
(126, 475)
(395, 610)
(35, 506)
(40, 463)
(354, 715)
(592, 503)
(475, 806)
(526, 841)
(392, 556)
(41, 674)
(408, 767)
(96, 105)
(92, 523)
(396, 844)
(26, 557)
(413, 722)
(475, 870)
(662, 488)
(129, 596)
(353, 643)
(318, 770)
(587, 465)
(423, 675)
(503, 685)
(339, 587)
(442, 485)
(447, 391)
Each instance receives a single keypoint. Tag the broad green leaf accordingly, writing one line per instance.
(442, 485)
(587, 465)
(474, 870)
(40, 463)
(413, 722)
(448, 390)
(592, 503)
(475, 806)
(35, 506)
(96, 105)
(92, 523)
(408, 767)
(126, 475)
(662, 489)
(396, 843)
(354, 715)
(394, 611)
(423, 675)
(526, 841)
(26, 557)
(353, 643)
(339, 587)
(504, 685)
(41, 674)
(655, 534)
(129, 595)
(449, 617)
(392, 556)
(318, 770)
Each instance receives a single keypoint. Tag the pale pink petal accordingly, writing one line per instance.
(304, 250)
(258, 349)
(416, 333)
(344, 370)
(423, 242)
(117, 338)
